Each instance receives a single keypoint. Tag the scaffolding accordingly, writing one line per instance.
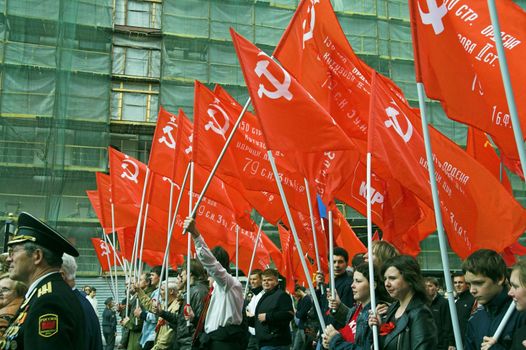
(79, 75)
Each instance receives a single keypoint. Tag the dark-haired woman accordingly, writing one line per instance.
(356, 334)
(408, 323)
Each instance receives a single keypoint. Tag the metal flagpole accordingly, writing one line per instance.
(172, 224)
(237, 251)
(505, 320)
(189, 243)
(331, 255)
(112, 285)
(114, 252)
(311, 212)
(296, 239)
(438, 217)
(142, 238)
(138, 228)
(503, 64)
(370, 249)
(253, 254)
(219, 158)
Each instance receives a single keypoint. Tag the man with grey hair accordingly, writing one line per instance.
(165, 338)
(69, 272)
(51, 316)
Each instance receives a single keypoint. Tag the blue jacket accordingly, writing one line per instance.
(486, 320)
(363, 337)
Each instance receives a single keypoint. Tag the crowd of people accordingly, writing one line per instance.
(41, 308)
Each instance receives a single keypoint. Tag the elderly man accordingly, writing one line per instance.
(51, 316)
(93, 337)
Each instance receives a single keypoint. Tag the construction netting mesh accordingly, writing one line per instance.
(79, 75)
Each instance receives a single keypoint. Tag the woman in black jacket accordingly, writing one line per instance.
(408, 323)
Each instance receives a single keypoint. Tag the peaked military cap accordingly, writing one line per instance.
(31, 229)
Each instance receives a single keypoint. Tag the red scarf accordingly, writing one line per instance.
(348, 332)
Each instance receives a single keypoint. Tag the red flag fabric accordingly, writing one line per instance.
(456, 59)
(346, 238)
(105, 201)
(127, 180)
(93, 197)
(470, 216)
(291, 120)
(479, 147)
(164, 144)
(105, 253)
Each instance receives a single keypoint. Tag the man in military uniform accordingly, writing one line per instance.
(51, 316)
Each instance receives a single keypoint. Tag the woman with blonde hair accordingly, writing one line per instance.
(518, 293)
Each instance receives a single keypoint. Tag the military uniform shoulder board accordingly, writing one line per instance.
(45, 289)
(48, 325)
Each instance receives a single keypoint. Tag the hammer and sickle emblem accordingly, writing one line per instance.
(188, 149)
(127, 172)
(312, 12)
(214, 124)
(168, 138)
(171, 182)
(105, 249)
(393, 122)
(434, 16)
(282, 89)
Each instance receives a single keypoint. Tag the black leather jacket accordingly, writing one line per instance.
(415, 330)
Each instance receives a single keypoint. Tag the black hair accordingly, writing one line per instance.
(339, 251)
(410, 271)
(222, 257)
(486, 262)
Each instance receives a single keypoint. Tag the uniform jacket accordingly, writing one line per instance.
(50, 318)
(275, 330)
(363, 336)
(415, 330)
(486, 320)
(109, 321)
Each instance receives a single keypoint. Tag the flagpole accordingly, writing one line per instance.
(114, 252)
(172, 222)
(237, 251)
(370, 249)
(189, 242)
(219, 158)
(142, 239)
(311, 212)
(253, 254)
(438, 217)
(138, 228)
(296, 239)
(504, 321)
(331, 255)
(105, 239)
(503, 64)
(164, 268)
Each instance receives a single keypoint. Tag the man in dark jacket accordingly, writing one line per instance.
(440, 309)
(273, 314)
(302, 312)
(486, 273)
(109, 324)
(342, 282)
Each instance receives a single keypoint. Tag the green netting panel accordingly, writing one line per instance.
(361, 33)
(402, 71)
(358, 6)
(175, 96)
(185, 59)
(88, 97)
(270, 23)
(41, 9)
(400, 41)
(224, 65)
(136, 62)
(27, 91)
(134, 101)
(18, 53)
(186, 18)
(225, 15)
(397, 9)
(281, 3)
(96, 13)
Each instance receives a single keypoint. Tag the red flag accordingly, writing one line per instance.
(127, 176)
(105, 202)
(291, 120)
(470, 216)
(164, 144)
(479, 147)
(105, 253)
(456, 59)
